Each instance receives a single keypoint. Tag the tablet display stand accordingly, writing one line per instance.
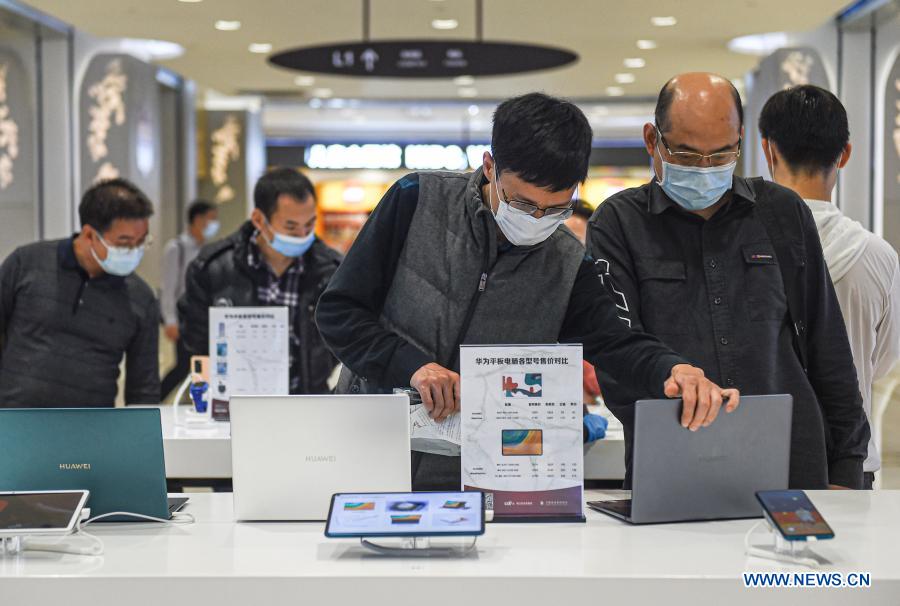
(418, 547)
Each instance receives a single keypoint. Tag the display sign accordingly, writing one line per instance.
(423, 58)
(522, 430)
(390, 156)
(249, 353)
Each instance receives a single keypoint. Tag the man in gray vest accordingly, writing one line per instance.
(449, 259)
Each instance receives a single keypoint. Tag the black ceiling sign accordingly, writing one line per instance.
(423, 58)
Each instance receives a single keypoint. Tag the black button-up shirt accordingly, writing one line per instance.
(712, 290)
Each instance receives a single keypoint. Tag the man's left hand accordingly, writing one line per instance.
(702, 398)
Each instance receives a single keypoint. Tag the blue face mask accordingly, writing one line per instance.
(696, 188)
(119, 261)
(291, 246)
(211, 229)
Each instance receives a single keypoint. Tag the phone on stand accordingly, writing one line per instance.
(794, 515)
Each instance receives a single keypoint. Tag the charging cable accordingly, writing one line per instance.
(96, 547)
(788, 558)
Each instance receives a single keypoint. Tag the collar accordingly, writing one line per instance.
(65, 254)
(659, 202)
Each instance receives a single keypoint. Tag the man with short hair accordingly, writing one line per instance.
(449, 259)
(703, 260)
(274, 259)
(71, 309)
(806, 140)
(203, 225)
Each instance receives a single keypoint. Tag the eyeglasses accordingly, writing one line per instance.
(557, 212)
(684, 158)
(147, 243)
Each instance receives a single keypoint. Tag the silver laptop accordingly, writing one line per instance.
(289, 454)
(711, 474)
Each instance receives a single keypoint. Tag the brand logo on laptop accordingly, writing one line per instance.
(74, 466)
(321, 459)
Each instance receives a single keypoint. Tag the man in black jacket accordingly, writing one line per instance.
(274, 259)
(700, 258)
(70, 309)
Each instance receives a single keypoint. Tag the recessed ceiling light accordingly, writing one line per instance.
(625, 78)
(646, 44)
(191, 1)
(464, 81)
(663, 21)
(323, 93)
(759, 44)
(260, 47)
(467, 92)
(473, 110)
(228, 26)
(304, 80)
(634, 63)
(445, 23)
(315, 103)
(615, 91)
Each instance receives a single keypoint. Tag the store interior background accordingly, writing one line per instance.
(178, 96)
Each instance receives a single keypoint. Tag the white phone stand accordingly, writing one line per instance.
(782, 550)
(418, 547)
(10, 546)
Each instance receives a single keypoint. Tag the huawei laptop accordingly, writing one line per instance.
(115, 453)
(711, 474)
(290, 454)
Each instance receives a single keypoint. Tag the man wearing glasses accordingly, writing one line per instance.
(730, 273)
(71, 309)
(450, 258)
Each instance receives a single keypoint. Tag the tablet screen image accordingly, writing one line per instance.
(408, 506)
(362, 506)
(40, 511)
(406, 514)
(523, 442)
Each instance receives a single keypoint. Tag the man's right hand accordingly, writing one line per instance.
(439, 389)
(172, 333)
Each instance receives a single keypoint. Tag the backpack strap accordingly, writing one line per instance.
(792, 272)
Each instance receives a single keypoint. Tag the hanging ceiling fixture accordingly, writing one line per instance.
(423, 58)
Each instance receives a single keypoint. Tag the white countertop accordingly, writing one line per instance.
(217, 561)
(202, 450)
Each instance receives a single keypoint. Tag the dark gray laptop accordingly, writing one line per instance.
(711, 474)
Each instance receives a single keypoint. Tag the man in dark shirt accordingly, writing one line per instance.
(274, 259)
(70, 309)
(689, 259)
(449, 258)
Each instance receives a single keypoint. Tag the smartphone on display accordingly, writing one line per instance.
(794, 515)
(54, 512)
(200, 369)
(405, 514)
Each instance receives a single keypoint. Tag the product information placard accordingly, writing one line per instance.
(522, 430)
(248, 352)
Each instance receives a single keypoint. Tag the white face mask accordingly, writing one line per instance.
(520, 228)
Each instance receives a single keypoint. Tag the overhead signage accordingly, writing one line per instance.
(423, 58)
(392, 156)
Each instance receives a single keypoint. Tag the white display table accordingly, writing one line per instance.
(604, 561)
(203, 451)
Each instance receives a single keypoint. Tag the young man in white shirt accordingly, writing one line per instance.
(805, 137)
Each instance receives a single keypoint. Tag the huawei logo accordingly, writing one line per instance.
(321, 459)
(75, 466)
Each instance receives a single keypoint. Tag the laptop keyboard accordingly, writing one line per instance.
(621, 506)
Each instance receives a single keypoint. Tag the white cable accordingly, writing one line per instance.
(177, 518)
(750, 550)
(94, 550)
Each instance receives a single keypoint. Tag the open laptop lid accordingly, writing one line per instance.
(290, 454)
(713, 473)
(115, 453)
